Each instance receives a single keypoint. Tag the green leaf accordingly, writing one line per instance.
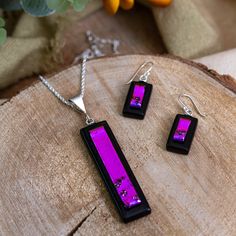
(36, 8)
(58, 5)
(79, 5)
(10, 5)
(2, 22)
(3, 36)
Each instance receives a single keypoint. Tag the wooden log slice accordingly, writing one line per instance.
(50, 186)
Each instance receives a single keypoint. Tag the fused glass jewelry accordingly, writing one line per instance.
(183, 129)
(115, 171)
(109, 159)
(139, 94)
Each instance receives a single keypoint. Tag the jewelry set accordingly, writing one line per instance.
(103, 147)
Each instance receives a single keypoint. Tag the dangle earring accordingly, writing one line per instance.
(109, 158)
(183, 128)
(137, 99)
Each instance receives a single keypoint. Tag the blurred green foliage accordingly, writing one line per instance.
(38, 8)
(3, 32)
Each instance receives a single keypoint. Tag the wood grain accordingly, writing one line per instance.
(50, 186)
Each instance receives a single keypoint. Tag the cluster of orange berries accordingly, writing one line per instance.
(112, 6)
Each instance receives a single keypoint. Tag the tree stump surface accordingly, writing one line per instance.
(49, 183)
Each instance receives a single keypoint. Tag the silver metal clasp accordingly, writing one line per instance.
(96, 47)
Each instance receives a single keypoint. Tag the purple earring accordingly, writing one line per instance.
(139, 94)
(183, 129)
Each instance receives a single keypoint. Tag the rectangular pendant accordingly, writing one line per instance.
(181, 134)
(137, 99)
(115, 171)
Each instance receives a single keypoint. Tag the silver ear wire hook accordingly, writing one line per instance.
(187, 110)
(144, 76)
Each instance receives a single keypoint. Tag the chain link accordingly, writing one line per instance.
(96, 44)
(54, 92)
(82, 77)
(58, 95)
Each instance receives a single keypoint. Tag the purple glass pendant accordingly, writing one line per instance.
(137, 99)
(115, 171)
(114, 167)
(181, 134)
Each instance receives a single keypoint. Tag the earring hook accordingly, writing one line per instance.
(187, 110)
(144, 76)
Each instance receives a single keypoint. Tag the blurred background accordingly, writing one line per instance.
(46, 36)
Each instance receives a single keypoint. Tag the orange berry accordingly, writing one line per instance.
(160, 3)
(126, 4)
(111, 6)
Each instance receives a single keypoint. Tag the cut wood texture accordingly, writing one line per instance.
(50, 186)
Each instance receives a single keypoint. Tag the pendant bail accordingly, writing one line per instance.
(78, 104)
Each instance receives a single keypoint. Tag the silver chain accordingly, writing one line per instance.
(82, 77)
(96, 44)
(58, 95)
(54, 92)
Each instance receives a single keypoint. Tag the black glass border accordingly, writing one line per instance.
(127, 214)
(140, 112)
(181, 147)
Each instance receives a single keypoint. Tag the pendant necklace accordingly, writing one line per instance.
(108, 157)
